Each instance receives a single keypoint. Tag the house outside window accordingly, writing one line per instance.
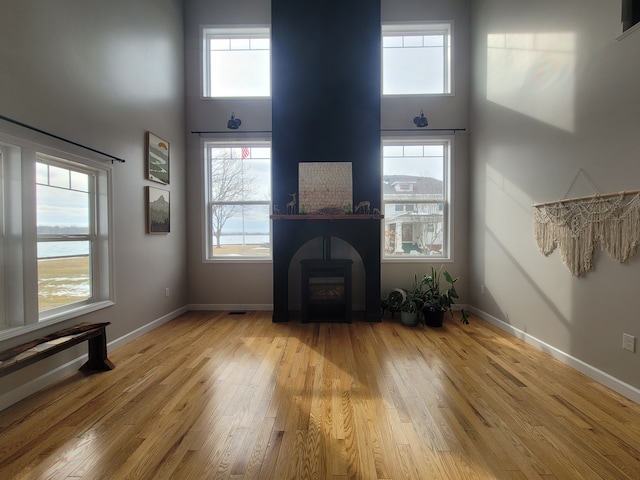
(237, 62)
(238, 203)
(416, 59)
(55, 244)
(416, 219)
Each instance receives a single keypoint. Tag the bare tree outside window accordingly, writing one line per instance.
(231, 185)
(239, 200)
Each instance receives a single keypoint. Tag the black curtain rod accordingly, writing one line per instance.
(454, 130)
(16, 122)
(200, 132)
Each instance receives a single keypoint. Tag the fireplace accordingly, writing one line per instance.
(326, 109)
(291, 232)
(326, 290)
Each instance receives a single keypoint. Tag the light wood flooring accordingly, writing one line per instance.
(211, 395)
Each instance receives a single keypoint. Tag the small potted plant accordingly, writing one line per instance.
(412, 303)
(439, 294)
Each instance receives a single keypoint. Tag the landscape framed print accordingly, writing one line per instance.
(158, 210)
(157, 161)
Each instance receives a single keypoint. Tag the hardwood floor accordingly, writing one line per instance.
(211, 395)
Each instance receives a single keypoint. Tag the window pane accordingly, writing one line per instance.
(79, 181)
(239, 200)
(64, 273)
(220, 44)
(412, 41)
(63, 208)
(58, 177)
(240, 44)
(238, 63)
(414, 199)
(243, 73)
(244, 230)
(413, 71)
(414, 229)
(62, 212)
(415, 59)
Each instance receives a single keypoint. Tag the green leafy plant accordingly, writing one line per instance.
(414, 298)
(440, 292)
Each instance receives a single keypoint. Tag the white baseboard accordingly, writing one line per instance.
(42, 381)
(222, 307)
(119, 342)
(628, 391)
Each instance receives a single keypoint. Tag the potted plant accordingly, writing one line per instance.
(439, 294)
(412, 303)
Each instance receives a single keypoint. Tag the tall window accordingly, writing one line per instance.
(416, 198)
(237, 62)
(65, 233)
(54, 246)
(416, 59)
(238, 200)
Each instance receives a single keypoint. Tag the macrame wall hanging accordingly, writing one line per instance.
(577, 226)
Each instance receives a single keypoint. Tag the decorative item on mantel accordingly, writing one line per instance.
(325, 186)
(291, 206)
(577, 226)
(365, 206)
(325, 191)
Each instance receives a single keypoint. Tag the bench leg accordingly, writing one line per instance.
(98, 354)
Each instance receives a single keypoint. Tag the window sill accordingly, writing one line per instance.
(13, 332)
(628, 32)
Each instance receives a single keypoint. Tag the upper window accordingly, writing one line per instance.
(237, 62)
(416, 198)
(54, 247)
(238, 203)
(416, 59)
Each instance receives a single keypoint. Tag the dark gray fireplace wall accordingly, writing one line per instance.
(326, 60)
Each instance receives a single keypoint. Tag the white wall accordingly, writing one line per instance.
(561, 95)
(235, 284)
(102, 74)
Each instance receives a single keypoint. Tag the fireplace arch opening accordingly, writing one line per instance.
(354, 237)
(317, 249)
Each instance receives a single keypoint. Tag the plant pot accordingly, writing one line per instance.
(409, 319)
(433, 318)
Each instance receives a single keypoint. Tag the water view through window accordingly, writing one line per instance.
(64, 226)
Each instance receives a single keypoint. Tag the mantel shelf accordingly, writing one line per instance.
(355, 216)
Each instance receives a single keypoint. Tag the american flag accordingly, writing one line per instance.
(245, 152)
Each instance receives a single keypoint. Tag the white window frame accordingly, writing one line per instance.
(208, 239)
(424, 28)
(19, 237)
(447, 201)
(235, 32)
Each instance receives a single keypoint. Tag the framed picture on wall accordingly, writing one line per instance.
(158, 210)
(157, 159)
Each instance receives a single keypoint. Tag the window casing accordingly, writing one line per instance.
(416, 59)
(416, 199)
(55, 260)
(238, 200)
(630, 14)
(237, 62)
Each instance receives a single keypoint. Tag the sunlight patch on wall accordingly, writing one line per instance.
(534, 74)
(519, 278)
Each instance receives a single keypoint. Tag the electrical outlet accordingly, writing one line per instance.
(166, 292)
(482, 289)
(628, 342)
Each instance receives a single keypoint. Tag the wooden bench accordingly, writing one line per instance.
(33, 351)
